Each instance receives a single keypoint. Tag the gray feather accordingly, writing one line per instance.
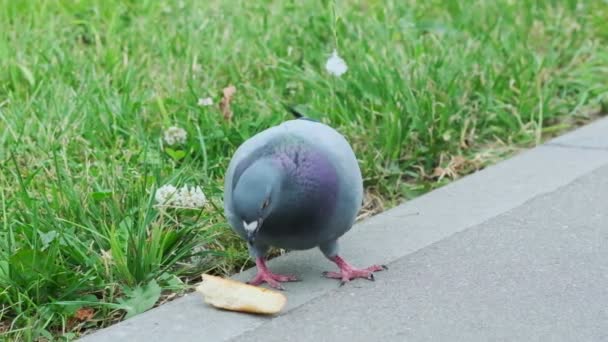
(313, 156)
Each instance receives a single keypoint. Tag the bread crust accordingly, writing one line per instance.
(233, 295)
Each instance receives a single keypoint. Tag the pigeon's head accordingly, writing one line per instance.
(255, 195)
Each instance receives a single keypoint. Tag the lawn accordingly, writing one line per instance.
(88, 89)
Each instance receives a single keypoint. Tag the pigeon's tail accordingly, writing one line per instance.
(294, 111)
(298, 114)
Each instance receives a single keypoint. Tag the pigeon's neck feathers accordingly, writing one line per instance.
(303, 182)
(308, 191)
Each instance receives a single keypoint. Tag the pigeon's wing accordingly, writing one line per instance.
(299, 115)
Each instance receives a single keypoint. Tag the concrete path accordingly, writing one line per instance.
(518, 251)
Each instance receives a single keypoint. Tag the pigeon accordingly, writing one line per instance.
(295, 186)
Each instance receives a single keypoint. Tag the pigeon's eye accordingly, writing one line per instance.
(265, 204)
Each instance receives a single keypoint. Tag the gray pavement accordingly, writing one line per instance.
(536, 273)
(518, 251)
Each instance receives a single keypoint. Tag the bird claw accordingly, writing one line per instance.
(348, 273)
(273, 280)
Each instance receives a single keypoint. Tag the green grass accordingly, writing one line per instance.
(87, 87)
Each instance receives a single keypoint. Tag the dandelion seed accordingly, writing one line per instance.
(166, 195)
(175, 135)
(335, 65)
(204, 102)
(191, 197)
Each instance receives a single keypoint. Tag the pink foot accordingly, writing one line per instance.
(265, 276)
(348, 273)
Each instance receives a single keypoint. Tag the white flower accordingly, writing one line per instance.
(166, 194)
(191, 197)
(185, 197)
(175, 135)
(335, 65)
(205, 101)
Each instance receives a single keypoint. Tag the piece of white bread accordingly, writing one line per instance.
(236, 296)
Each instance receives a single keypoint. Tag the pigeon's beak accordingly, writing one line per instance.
(252, 229)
